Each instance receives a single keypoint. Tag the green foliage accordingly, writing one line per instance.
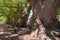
(59, 11)
(2, 19)
(58, 14)
(8, 9)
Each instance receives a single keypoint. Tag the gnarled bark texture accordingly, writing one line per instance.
(45, 11)
(43, 24)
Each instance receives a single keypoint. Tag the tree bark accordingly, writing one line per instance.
(46, 11)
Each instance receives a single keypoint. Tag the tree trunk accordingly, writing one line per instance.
(45, 11)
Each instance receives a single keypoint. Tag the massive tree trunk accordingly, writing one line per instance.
(45, 11)
(43, 23)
